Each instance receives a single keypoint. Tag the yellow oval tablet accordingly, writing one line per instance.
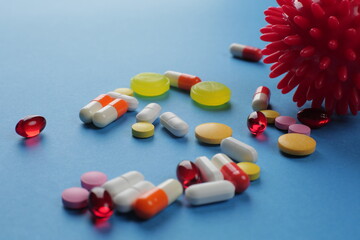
(150, 84)
(270, 115)
(251, 169)
(210, 93)
(296, 144)
(143, 130)
(212, 133)
(125, 91)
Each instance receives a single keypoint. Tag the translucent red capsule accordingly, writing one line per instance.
(30, 126)
(188, 173)
(100, 203)
(313, 117)
(256, 122)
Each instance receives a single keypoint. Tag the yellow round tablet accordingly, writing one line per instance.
(125, 91)
(296, 144)
(212, 133)
(150, 84)
(251, 169)
(142, 130)
(270, 115)
(210, 93)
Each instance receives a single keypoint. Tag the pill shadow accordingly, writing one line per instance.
(208, 145)
(161, 97)
(111, 126)
(293, 157)
(260, 63)
(75, 212)
(223, 107)
(262, 137)
(31, 143)
(178, 139)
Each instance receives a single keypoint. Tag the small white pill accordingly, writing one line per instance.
(174, 124)
(119, 184)
(209, 192)
(208, 170)
(238, 151)
(131, 101)
(149, 114)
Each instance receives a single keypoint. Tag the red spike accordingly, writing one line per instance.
(306, 3)
(329, 104)
(300, 93)
(267, 51)
(307, 51)
(317, 102)
(280, 2)
(350, 54)
(315, 33)
(279, 70)
(288, 56)
(333, 44)
(275, 9)
(357, 81)
(354, 101)
(273, 57)
(333, 22)
(266, 30)
(350, 33)
(310, 93)
(356, 21)
(301, 22)
(343, 73)
(317, 10)
(342, 106)
(324, 63)
(284, 82)
(274, 66)
(271, 37)
(284, 29)
(328, 2)
(275, 20)
(320, 80)
(344, 8)
(338, 91)
(278, 45)
(293, 40)
(269, 12)
(290, 10)
(294, 82)
(302, 69)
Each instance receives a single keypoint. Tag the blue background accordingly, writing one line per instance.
(55, 56)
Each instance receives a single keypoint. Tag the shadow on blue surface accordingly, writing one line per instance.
(31, 143)
(223, 107)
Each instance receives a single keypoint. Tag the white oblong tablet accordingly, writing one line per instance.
(209, 172)
(238, 150)
(119, 184)
(209, 192)
(131, 101)
(174, 124)
(149, 114)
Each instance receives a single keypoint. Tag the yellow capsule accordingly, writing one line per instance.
(212, 133)
(142, 130)
(296, 144)
(125, 91)
(251, 169)
(270, 115)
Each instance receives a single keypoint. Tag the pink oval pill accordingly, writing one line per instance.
(75, 198)
(299, 128)
(283, 122)
(93, 179)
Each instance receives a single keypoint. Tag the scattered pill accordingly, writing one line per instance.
(124, 200)
(125, 91)
(313, 117)
(231, 172)
(296, 144)
(256, 123)
(261, 98)
(299, 128)
(174, 124)
(149, 114)
(143, 130)
(150, 84)
(251, 169)
(238, 150)
(283, 122)
(87, 112)
(210, 192)
(30, 126)
(246, 52)
(119, 184)
(155, 200)
(93, 179)
(110, 113)
(100, 203)
(212, 133)
(75, 198)
(209, 172)
(210, 93)
(182, 80)
(188, 173)
(131, 101)
(270, 115)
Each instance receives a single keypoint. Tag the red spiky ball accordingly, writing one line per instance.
(317, 44)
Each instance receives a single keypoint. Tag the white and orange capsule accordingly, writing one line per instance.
(261, 98)
(182, 80)
(110, 113)
(131, 101)
(246, 52)
(87, 112)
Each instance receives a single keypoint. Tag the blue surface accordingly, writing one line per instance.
(58, 55)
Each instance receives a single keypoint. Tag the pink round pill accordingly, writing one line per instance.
(299, 128)
(93, 179)
(283, 122)
(75, 198)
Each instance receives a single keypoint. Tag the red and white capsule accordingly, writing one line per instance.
(87, 112)
(110, 113)
(261, 98)
(232, 172)
(182, 80)
(246, 52)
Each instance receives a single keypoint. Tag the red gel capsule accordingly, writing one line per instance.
(30, 126)
(256, 122)
(188, 173)
(100, 203)
(313, 117)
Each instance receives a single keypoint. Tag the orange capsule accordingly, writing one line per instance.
(182, 80)
(87, 112)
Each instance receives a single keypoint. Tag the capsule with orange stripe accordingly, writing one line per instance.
(182, 80)
(87, 112)
(157, 199)
(110, 113)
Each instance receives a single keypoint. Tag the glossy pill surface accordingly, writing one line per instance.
(246, 52)
(119, 184)
(143, 130)
(212, 133)
(209, 172)
(313, 117)
(299, 128)
(210, 93)
(110, 113)
(238, 150)
(30, 126)
(284, 122)
(125, 91)
(296, 144)
(182, 80)
(87, 112)
(150, 84)
(251, 169)
(75, 198)
(188, 173)
(174, 124)
(256, 123)
(149, 114)
(100, 203)
(93, 179)
(261, 98)
(270, 115)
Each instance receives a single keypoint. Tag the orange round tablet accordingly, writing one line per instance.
(212, 133)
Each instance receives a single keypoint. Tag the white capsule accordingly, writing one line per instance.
(209, 172)
(131, 101)
(238, 151)
(174, 124)
(87, 112)
(172, 188)
(119, 184)
(149, 114)
(110, 113)
(173, 77)
(261, 98)
(125, 199)
(209, 192)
